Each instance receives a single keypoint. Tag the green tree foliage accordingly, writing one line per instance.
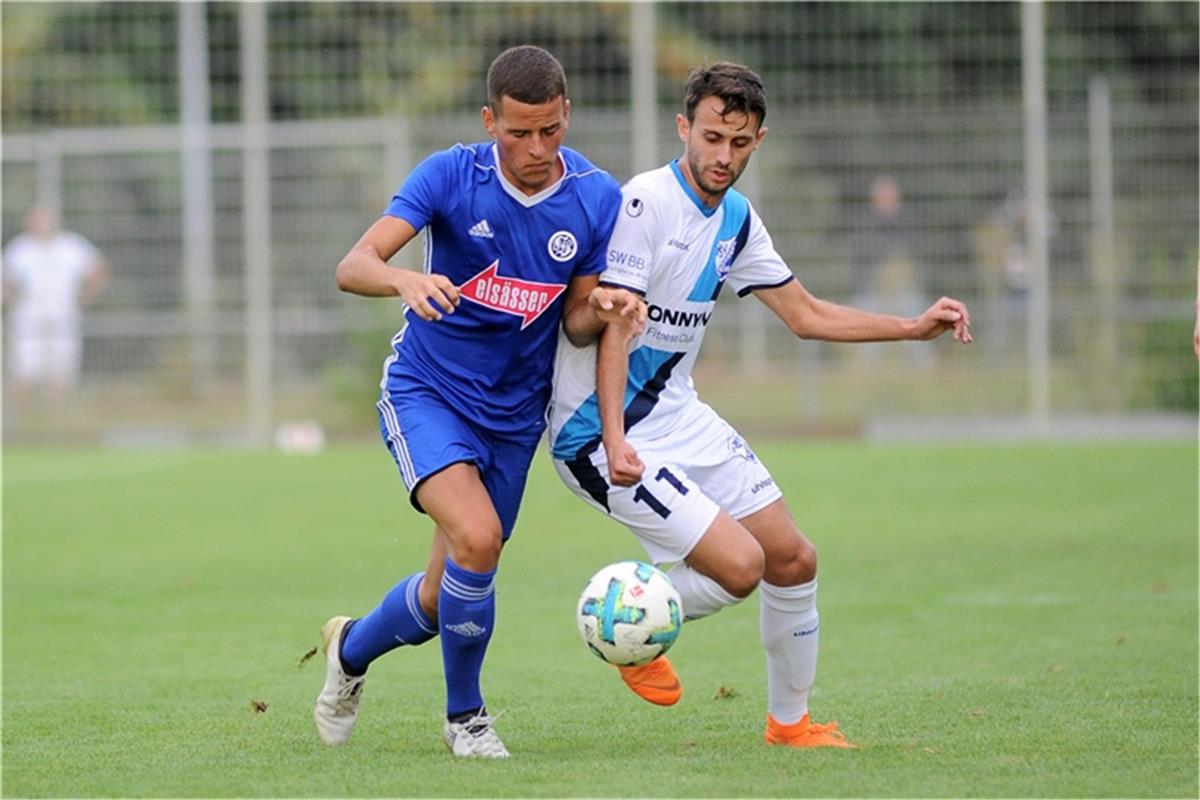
(72, 64)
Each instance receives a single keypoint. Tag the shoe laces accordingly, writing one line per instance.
(484, 738)
(826, 729)
(481, 724)
(349, 691)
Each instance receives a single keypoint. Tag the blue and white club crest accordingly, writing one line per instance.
(724, 257)
(739, 447)
(562, 245)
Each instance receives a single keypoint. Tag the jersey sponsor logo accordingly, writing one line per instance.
(468, 629)
(526, 299)
(562, 245)
(671, 316)
(623, 259)
(481, 229)
(676, 243)
(635, 207)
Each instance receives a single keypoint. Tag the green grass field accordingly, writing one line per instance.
(996, 621)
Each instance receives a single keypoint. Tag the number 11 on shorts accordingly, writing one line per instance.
(644, 495)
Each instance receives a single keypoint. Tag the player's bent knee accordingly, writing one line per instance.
(477, 550)
(743, 572)
(794, 566)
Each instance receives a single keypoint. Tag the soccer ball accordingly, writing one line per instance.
(629, 613)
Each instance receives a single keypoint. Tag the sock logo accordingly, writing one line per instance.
(468, 629)
(799, 634)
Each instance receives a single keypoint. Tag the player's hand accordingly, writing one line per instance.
(430, 296)
(619, 307)
(946, 314)
(1196, 336)
(625, 468)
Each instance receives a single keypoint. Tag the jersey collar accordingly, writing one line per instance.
(687, 188)
(528, 200)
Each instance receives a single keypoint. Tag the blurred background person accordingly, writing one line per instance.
(50, 275)
(887, 266)
(1000, 244)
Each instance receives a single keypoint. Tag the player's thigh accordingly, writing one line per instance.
(505, 472)
(442, 459)
(456, 499)
(728, 554)
(791, 558)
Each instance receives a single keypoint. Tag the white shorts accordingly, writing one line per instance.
(689, 476)
(46, 355)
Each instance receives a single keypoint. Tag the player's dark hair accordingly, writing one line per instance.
(737, 86)
(527, 74)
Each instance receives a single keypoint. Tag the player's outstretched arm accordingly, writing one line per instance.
(365, 271)
(590, 307)
(612, 371)
(810, 317)
(1196, 329)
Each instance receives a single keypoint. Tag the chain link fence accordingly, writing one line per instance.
(224, 156)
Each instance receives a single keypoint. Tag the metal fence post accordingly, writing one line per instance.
(643, 79)
(256, 222)
(197, 200)
(1033, 72)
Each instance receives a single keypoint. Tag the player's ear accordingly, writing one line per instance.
(683, 127)
(758, 137)
(489, 120)
(566, 111)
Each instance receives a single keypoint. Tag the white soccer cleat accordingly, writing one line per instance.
(475, 738)
(337, 705)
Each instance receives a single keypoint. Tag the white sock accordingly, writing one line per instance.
(700, 594)
(789, 625)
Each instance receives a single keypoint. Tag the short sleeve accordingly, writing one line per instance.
(420, 196)
(607, 207)
(758, 265)
(633, 244)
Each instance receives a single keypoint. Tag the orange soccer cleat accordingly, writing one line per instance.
(655, 682)
(805, 733)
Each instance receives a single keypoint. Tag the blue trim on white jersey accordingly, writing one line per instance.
(642, 389)
(687, 188)
(745, 290)
(731, 237)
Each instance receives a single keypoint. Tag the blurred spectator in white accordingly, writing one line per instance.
(50, 275)
(887, 269)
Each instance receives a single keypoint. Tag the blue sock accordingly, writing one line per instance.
(398, 620)
(466, 615)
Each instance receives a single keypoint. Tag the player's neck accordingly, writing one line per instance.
(709, 199)
(555, 175)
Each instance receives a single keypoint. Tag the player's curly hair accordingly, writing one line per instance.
(525, 73)
(738, 87)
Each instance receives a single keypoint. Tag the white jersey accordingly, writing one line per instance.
(678, 253)
(48, 274)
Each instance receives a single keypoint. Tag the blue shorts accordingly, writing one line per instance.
(425, 435)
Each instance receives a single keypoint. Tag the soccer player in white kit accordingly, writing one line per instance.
(631, 437)
(50, 275)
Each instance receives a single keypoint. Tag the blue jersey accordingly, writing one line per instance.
(512, 256)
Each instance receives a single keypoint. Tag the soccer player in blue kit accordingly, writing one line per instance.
(631, 437)
(515, 235)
